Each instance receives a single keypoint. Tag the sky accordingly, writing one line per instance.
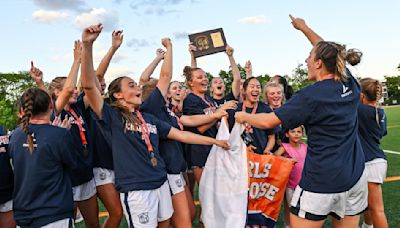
(259, 30)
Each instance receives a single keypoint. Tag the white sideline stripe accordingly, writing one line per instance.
(391, 152)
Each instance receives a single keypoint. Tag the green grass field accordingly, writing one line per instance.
(390, 189)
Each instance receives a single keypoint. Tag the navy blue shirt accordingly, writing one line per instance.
(101, 150)
(132, 166)
(328, 110)
(84, 170)
(6, 173)
(228, 97)
(195, 105)
(171, 151)
(370, 132)
(42, 191)
(260, 136)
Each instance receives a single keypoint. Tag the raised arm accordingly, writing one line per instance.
(37, 76)
(191, 138)
(70, 82)
(261, 120)
(235, 72)
(88, 77)
(117, 38)
(145, 76)
(249, 69)
(166, 68)
(193, 61)
(300, 24)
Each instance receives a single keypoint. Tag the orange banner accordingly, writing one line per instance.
(268, 176)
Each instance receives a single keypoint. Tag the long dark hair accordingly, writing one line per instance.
(127, 116)
(33, 102)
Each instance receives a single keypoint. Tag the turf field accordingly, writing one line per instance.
(390, 188)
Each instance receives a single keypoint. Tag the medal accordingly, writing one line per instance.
(146, 138)
(153, 161)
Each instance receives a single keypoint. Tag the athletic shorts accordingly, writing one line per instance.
(6, 207)
(289, 195)
(103, 176)
(146, 208)
(63, 223)
(376, 170)
(84, 191)
(317, 206)
(176, 183)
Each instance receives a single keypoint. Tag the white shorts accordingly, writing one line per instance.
(103, 176)
(63, 223)
(147, 207)
(176, 183)
(289, 195)
(6, 207)
(317, 206)
(84, 191)
(376, 170)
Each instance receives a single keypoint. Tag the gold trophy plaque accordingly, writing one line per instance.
(208, 42)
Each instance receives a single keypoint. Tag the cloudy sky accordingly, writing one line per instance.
(258, 30)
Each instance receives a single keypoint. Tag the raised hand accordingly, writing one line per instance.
(229, 50)
(160, 53)
(77, 50)
(90, 34)
(248, 67)
(192, 48)
(36, 73)
(117, 38)
(298, 23)
(166, 42)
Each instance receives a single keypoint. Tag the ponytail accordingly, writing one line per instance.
(372, 90)
(33, 102)
(334, 57)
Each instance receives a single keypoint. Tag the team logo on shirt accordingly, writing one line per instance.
(178, 183)
(144, 218)
(130, 127)
(73, 121)
(346, 92)
(3, 141)
(34, 142)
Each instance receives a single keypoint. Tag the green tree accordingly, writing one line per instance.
(393, 86)
(12, 85)
(299, 77)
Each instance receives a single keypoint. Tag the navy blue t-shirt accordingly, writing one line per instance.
(328, 110)
(6, 173)
(260, 136)
(101, 150)
(171, 151)
(132, 166)
(228, 97)
(42, 191)
(370, 132)
(84, 170)
(195, 105)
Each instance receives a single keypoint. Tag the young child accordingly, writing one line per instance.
(371, 129)
(297, 151)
